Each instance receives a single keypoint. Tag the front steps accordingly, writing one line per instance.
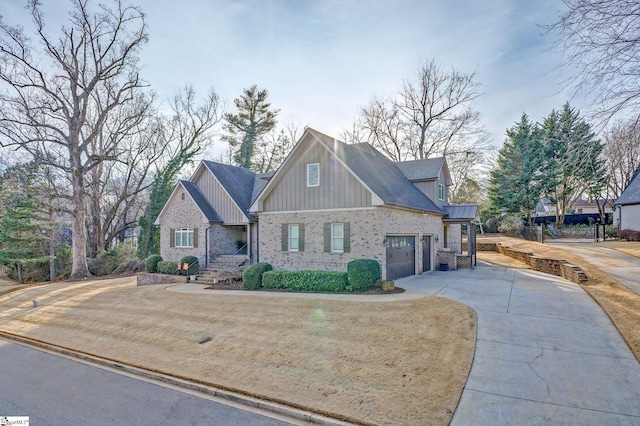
(223, 268)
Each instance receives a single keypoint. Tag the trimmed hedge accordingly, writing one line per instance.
(168, 267)
(362, 274)
(192, 269)
(151, 263)
(252, 276)
(311, 281)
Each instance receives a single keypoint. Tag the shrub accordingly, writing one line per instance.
(492, 225)
(194, 265)
(510, 224)
(629, 234)
(152, 262)
(104, 264)
(312, 281)
(252, 276)
(168, 267)
(363, 274)
(611, 232)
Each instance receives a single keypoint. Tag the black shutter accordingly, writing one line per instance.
(195, 237)
(301, 236)
(347, 237)
(172, 237)
(327, 237)
(285, 236)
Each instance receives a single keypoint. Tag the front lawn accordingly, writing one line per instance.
(402, 362)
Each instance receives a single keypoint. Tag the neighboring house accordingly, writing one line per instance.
(628, 206)
(327, 204)
(545, 207)
(589, 206)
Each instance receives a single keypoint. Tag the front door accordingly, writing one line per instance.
(426, 253)
(401, 257)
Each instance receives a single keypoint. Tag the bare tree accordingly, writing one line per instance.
(438, 107)
(184, 135)
(273, 147)
(55, 101)
(602, 49)
(622, 154)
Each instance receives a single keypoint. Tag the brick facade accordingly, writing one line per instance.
(368, 229)
(182, 212)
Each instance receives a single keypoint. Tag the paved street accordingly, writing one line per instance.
(53, 390)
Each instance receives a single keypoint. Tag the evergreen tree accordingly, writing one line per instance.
(573, 155)
(254, 119)
(517, 182)
(21, 240)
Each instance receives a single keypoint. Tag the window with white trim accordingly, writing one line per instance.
(313, 174)
(184, 237)
(337, 237)
(441, 192)
(294, 237)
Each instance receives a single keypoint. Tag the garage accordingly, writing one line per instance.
(401, 257)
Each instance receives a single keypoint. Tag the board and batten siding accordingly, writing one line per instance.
(218, 198)
(338, 187)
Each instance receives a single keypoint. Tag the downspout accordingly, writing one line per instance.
(206, 245)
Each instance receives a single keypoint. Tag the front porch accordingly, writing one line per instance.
(230, 241)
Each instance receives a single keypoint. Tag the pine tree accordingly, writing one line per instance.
(21, 241)
(253, 120)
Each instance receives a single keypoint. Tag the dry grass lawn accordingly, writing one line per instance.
(402, 362)
(629, 247)
(621, 304)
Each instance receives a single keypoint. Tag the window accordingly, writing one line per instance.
(313, 174)
(184, 237)
(441, 192)
(294, 237)
(337, 237)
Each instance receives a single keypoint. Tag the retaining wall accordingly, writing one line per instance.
(548, 265)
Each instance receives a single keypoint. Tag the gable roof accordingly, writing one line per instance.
(205, 207)
(427, 169)
(237, 181)
(384, 178)
(631, 194)
(259, 182)
(207, 210)
(376, 172)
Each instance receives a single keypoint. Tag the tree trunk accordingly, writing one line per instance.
(80, 267)
(20, 278)
(52, 260)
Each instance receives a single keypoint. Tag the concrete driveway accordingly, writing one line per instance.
(546, 352)
(623, 267)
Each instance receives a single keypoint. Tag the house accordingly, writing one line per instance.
(590, 206)
(628, 205)
(327, 204)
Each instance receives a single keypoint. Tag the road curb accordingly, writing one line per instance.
(204, 388)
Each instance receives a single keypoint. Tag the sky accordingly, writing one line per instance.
(323, 60)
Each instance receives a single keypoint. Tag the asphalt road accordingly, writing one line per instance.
(53, 390)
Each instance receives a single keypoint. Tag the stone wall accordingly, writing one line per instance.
(145, 278)
(447, 257)
(548, 265)
(463, 261)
